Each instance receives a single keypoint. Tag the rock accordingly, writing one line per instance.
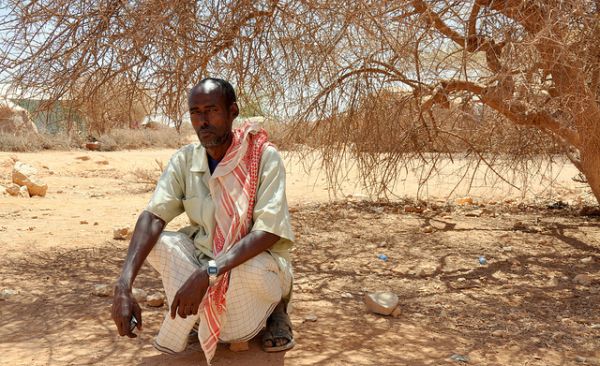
(139, 295)
(589, 211)
(7, 293)
(382, 303)
(474, 213)
(553, 282)
(13, 189)
(122, 233)
(413, 209)
(489, 212)
(310, 318)
(94, 146)
(464, 201)
(587, 260)
(519, 225)
(397, 312)
(102, 290)
(428, 229)
(459, 358)
(155, 300)
(23, 192)
(25, 175)
(500, 333)
(347, 295)
(83, 158)
(507, 248)
(14, 118)
(83, 222)
(583, 279)
(580, 359)
(239, 347)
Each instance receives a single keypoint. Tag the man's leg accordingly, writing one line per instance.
(263, 277)
(173, 257)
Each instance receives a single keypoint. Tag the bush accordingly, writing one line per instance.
(118, 139)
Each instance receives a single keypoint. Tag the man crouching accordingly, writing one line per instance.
(229, 272)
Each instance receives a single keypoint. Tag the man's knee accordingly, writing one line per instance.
(167, 242)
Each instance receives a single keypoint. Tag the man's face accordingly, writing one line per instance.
(211, 117)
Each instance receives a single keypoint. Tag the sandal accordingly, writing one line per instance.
(278, 326)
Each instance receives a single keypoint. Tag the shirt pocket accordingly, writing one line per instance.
(193, 209)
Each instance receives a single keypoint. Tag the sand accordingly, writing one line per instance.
(521, 308)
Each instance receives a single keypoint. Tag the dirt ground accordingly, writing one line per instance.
(521, 308)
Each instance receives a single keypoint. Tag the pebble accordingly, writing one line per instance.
(83, 222)
(464, 201)
(122, 233)
(583, 279)
(102, 290)
(382, 303)
(310, 318)
(553, 282)
(397, 312)
(7, 293)
(156, 300)
(459, 358)
(428, 229)
(347, 295)
(474, 213)
(139, 295)
(507, 249)
(587, 260)
(580, 359)
(500, 333)
(239, 347)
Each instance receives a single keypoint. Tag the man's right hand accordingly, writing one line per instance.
(124, 306)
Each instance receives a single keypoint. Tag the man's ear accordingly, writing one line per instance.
(234, 110)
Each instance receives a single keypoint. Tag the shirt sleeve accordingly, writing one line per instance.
(166, 201)
(271, 213)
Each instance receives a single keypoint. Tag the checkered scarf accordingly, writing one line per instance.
(233, 187)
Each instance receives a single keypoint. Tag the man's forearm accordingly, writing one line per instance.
(145, 235)
(248, 247)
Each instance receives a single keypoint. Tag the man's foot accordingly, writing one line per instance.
(278, 336)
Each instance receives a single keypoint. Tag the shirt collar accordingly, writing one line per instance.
(199, 160)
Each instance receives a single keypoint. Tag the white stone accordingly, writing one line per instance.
(310, 318)
(23, 192)
(139, 295)
(156, 300)
(382, 303)
(587, 260)
(103, 290)
(7, 293)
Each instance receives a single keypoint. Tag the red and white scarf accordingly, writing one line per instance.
(233, 187)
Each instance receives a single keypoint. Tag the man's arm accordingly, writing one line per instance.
(145, 235)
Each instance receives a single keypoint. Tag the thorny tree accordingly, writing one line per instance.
(371, 78)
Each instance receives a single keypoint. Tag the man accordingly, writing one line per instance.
(229, 270)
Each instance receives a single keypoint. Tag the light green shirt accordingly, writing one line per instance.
(183, 187)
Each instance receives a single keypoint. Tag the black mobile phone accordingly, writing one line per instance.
(132, 323)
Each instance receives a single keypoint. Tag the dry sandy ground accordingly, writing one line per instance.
(522, 308)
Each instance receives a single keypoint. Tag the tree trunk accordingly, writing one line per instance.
(590, 165)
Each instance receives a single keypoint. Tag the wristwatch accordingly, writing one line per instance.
(212, 271)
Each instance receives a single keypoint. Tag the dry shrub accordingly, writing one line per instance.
(30, 141)
(126, 139)
(149, 177)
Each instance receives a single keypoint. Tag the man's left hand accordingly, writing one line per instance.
(187, 300)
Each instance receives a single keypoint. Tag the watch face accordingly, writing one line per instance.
(212, 271)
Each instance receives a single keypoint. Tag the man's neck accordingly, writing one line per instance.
(217, 152)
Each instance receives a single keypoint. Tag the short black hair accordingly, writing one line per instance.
(225, 87)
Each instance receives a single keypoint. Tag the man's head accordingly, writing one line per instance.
(213, 108)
